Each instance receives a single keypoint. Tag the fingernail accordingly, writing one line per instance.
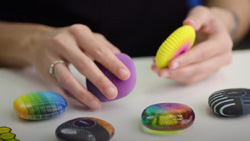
(124, 73)
(95, 104)
(111, 92)
(164, 74)
(175, 65)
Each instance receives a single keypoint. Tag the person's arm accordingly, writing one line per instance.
(231, 10)
(16, 41)
(24, 44)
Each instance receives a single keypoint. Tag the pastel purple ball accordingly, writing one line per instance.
(124, 87)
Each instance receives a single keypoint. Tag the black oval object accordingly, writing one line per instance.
(85, 129)
(230, 102)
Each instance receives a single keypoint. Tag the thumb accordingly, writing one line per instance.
(198, 17)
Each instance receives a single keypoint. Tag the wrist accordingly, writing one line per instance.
(15, 43)
(229, 18)
(36, 41)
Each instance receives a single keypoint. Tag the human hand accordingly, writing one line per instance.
(212, 50)
(79, 46)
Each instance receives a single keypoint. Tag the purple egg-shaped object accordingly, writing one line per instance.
(124, 87)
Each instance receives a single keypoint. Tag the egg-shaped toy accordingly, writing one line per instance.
(39, 105)
(85, 129)
(167, 117)
(232, 102)
(124, 87)
(180, 41)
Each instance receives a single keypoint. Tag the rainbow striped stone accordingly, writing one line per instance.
(39, 105)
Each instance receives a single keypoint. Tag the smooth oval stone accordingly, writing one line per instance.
(124, 87)
(230, 102)
(85, 129)
(39, 105)
(167, 117)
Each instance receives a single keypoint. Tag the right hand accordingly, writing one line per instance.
(79, 46)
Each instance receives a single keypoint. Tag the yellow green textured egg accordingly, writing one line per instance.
(39, 105)
(180, 41)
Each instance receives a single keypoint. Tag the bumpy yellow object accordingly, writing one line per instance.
(180, 41)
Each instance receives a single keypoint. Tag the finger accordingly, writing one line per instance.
(199, 17)
(216, 44)
(161, 72)
(43, 66)
(154, 68)
(199, 52)
(67, 81)
(113, 48)
(198, 71)
(99, 51)
(72, 53)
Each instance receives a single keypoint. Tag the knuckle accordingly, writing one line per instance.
(79, 29)
(199, 7)
(58, 39)
(80, 94)
(98, 35)
(100, 81)
(60, 42)
(82, 65)
(100, 53)
(64, 80)
(200, 55)
(202, 8)
(205, 11)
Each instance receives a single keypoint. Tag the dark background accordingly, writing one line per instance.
(243, 44)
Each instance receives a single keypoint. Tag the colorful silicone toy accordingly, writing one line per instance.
(164, 117)
(124, 87)
(39, 105)
(180, 41)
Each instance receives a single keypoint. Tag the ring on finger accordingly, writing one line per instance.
(52, 66)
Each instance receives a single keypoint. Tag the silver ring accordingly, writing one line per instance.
(52, 66)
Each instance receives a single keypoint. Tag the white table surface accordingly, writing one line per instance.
(125, 114)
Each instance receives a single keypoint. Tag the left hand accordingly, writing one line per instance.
(212, 49)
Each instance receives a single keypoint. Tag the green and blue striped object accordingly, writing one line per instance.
(40, 105)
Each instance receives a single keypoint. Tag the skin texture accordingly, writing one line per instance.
(27, 44)
(213, 47)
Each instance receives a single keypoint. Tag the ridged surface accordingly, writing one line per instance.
(177, 43)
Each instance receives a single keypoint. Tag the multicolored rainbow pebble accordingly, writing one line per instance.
(40, 105)
(167, 117)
